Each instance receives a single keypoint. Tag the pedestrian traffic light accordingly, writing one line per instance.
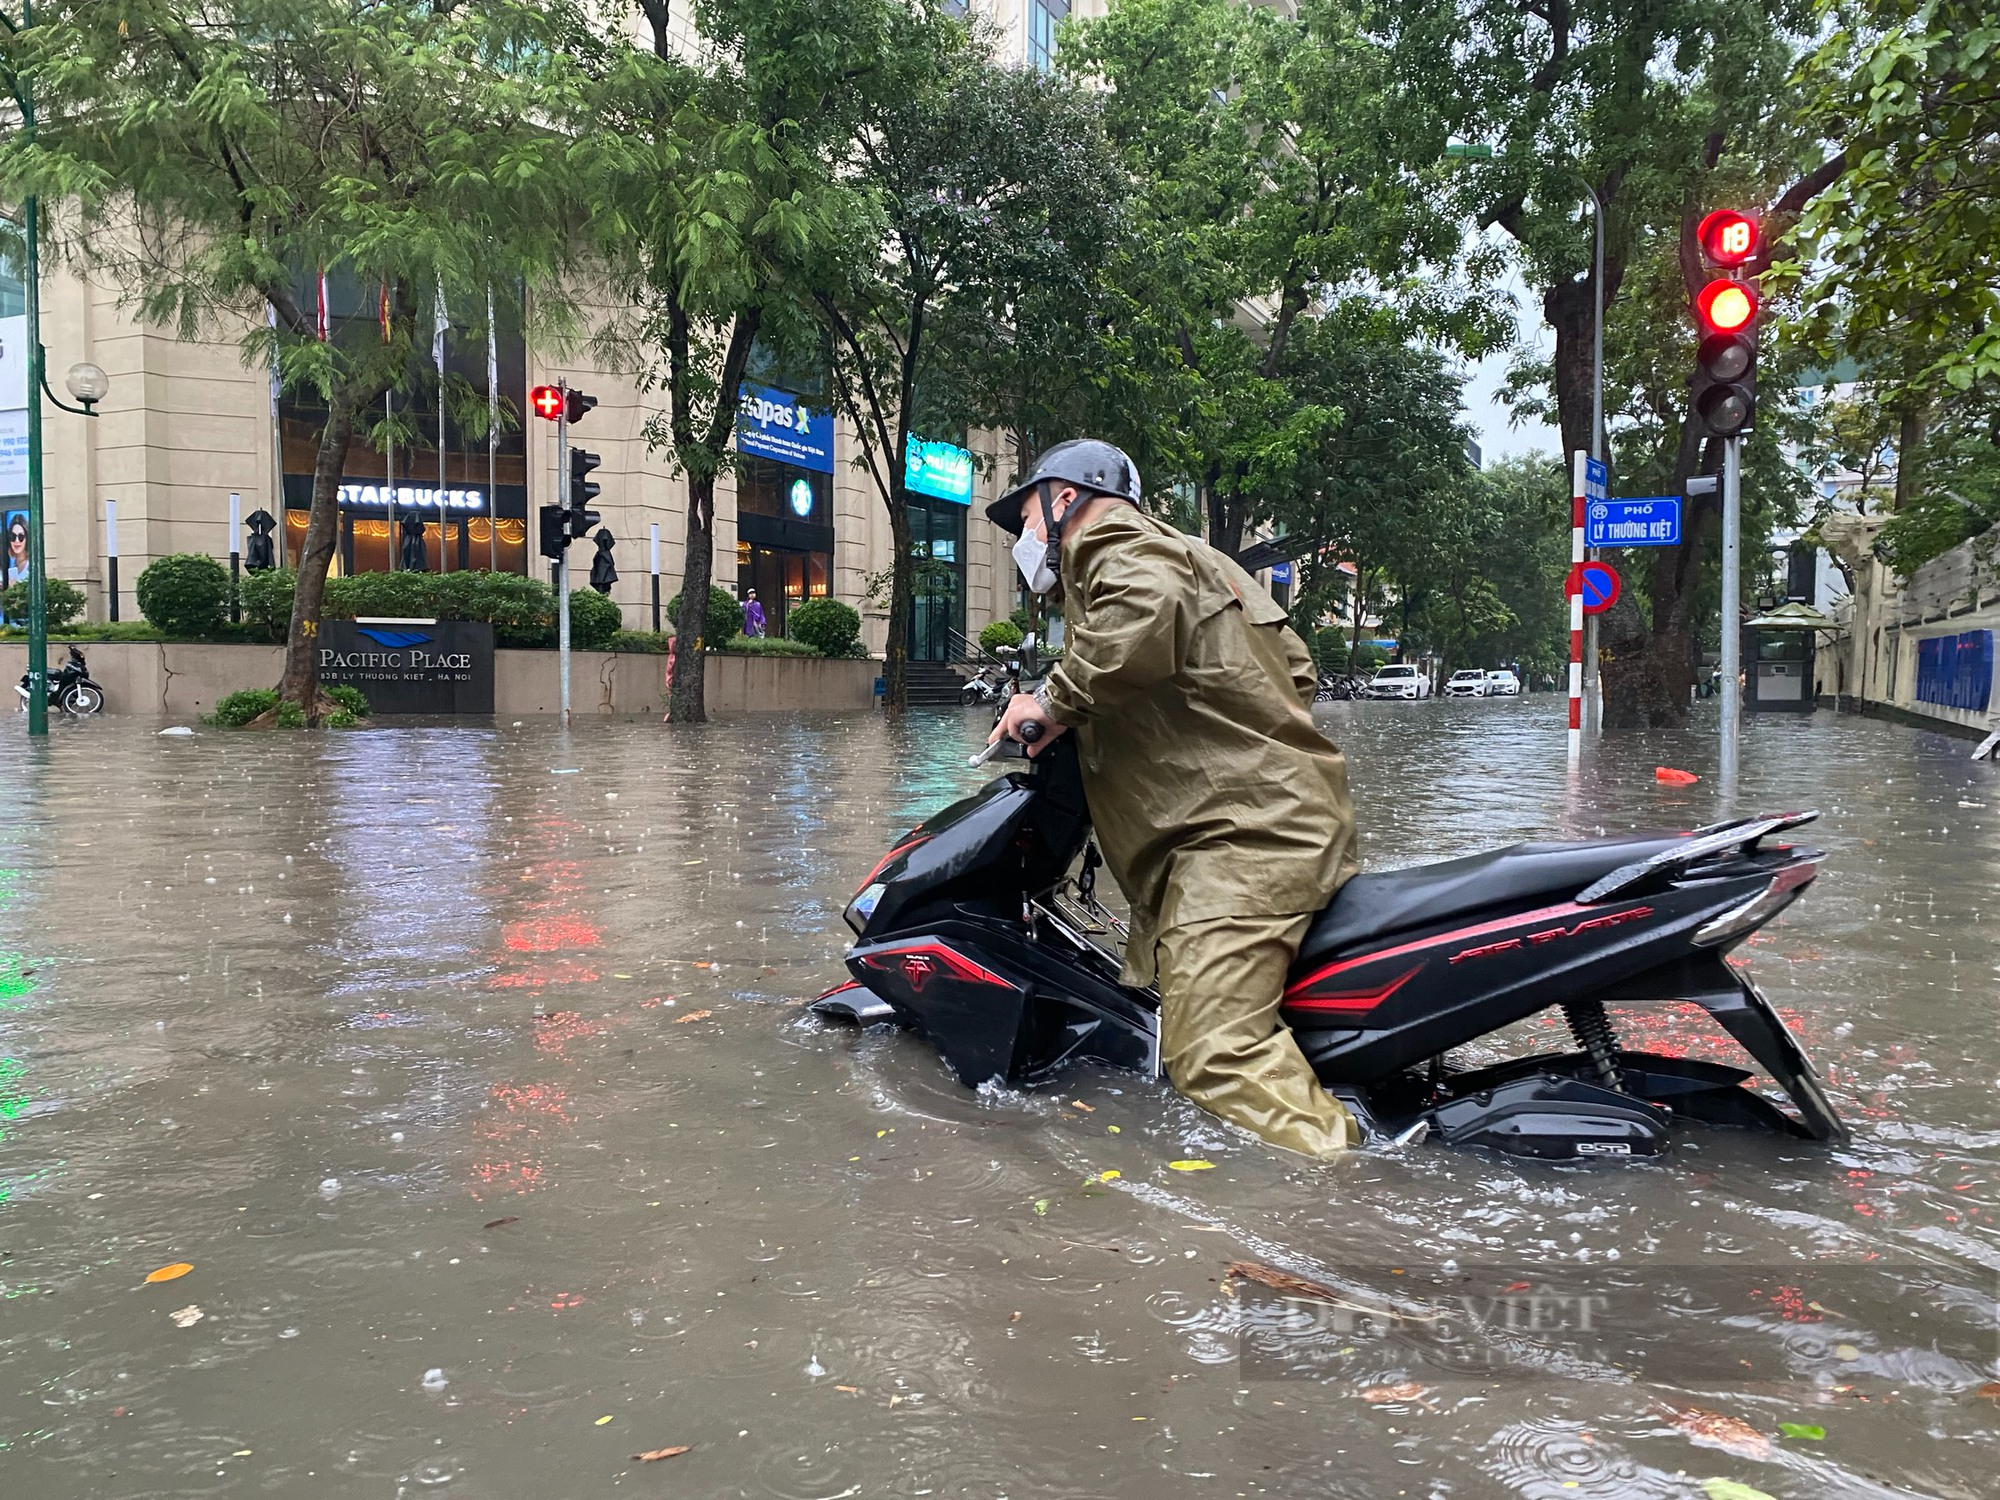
(547, 400)
(579, 405)
(1725, 378)
(555, 538)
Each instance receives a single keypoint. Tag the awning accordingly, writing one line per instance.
(1793, 616)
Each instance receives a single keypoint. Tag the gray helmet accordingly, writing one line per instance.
(1094, 467)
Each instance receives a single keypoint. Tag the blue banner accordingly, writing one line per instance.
(777, 424)
(1956, 671)
(1651, 522)
(941, 470)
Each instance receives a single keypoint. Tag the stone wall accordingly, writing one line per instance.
(184, 681)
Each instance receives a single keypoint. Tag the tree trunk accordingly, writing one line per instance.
(687, 697)
(300, 684)
(895, 683)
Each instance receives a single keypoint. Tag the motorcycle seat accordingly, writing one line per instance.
(1369, 907)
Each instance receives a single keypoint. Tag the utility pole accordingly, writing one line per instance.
(1732, 602)
(562, 563)
(1593, 705)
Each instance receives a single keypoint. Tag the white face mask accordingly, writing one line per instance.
(1031, 556)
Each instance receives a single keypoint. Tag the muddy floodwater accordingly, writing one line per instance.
(467, 1070)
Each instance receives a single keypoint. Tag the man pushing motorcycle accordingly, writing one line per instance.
(1221, 810)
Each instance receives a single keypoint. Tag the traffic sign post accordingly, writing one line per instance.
(1589, 480)
(1596, 586)
(1652, 522)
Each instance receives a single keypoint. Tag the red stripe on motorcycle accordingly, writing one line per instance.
(1352, 1002)
(1424, 945)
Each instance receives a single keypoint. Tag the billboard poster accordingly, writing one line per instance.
(776, 424)
(940, 470)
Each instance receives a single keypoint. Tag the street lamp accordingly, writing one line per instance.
(86, 382)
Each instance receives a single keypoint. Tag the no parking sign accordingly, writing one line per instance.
(1598, 583)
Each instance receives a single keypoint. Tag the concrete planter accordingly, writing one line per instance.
(184, 681)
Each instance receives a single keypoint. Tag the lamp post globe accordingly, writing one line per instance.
(87, 382)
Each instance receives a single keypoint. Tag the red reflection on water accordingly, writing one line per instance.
(549, 934)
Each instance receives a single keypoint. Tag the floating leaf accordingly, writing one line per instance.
(1713, 1430)
(173, 1272)
(1402, 1390)
(1729, 1489)
(1804, 1430)
(1112, 1176)
(1041, 1205)
(1192, 1164)
(852, 1390)
(658, 1453)
(1280, 1281)
(1989, 1391)
(186, 1317)
(502, 1223)
(602, 1420)
(693, 1015)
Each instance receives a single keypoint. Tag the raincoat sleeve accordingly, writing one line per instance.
(1305, 678)
(1137, 592)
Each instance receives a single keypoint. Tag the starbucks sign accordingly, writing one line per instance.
(412, 666)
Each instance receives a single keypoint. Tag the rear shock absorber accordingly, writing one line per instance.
(1592, 1029)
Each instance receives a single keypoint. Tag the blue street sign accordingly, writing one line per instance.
(1596, 479)
(1651, 522)
(1281, 574)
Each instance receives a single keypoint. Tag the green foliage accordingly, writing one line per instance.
(350, 698)
(184, 595)
(1001, 633)
(266, 600)
(237, 709)
(767, 645)
(521, 610)
(652, 641)
(594, 619)
(291, 716)
(725, 616)
(63, 602)
(828, 626)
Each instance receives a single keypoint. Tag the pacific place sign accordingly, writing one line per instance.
(412, 666)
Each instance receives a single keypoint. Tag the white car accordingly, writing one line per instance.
(1398, 682)
(1503, 684)
(1471, 683)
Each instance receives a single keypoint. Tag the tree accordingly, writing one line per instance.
(1660, 113)
(1280, 169)
(975, 184)
(708, 188)
(220, 170)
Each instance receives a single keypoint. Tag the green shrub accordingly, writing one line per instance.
(291, 716)
(766, 645)
(186, 594)
(594, 619)
(62, 601)
(239, 708)
(724, 620)
(266, 597)
(1000, 633)
(349, 697)
(828, 626)
(639, 640)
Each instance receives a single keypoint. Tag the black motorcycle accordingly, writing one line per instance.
(973, 930)
(70, 688)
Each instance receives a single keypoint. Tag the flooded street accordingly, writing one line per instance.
(467, 1069)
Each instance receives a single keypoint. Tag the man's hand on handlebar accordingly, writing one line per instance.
(1024, 721)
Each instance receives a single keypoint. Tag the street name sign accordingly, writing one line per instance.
(1651, 522)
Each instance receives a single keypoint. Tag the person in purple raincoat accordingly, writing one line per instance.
(753, 614)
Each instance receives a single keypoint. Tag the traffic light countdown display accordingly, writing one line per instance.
(1725, 379)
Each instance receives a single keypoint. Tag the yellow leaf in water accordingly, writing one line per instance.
(602, 1420)
(1109, 1176)
(1192, 1164)
(655, 1455)
(693, 1015)
(173, 1272)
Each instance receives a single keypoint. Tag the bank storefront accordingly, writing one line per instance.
(784, 501)
(394, 512)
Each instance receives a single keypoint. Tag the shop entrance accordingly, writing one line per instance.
(783, 579)
(937, 594)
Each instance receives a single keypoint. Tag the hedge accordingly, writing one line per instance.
(62, 602)
(828, 626)
(186, 594)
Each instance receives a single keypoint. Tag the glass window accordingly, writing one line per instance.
(765, 487)
(1043, 16)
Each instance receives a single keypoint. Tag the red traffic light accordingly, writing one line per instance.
(1727, 237)
(1726, 306)
(547, 401)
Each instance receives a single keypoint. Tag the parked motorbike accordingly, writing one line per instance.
(989, 686)
(70, 687)
(973, 931)
(1338, 687)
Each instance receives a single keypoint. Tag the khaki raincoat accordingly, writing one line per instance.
(1212, 793)
(1222, 811)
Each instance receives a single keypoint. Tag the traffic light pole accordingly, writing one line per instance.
(1732, 604)
(562, 563)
